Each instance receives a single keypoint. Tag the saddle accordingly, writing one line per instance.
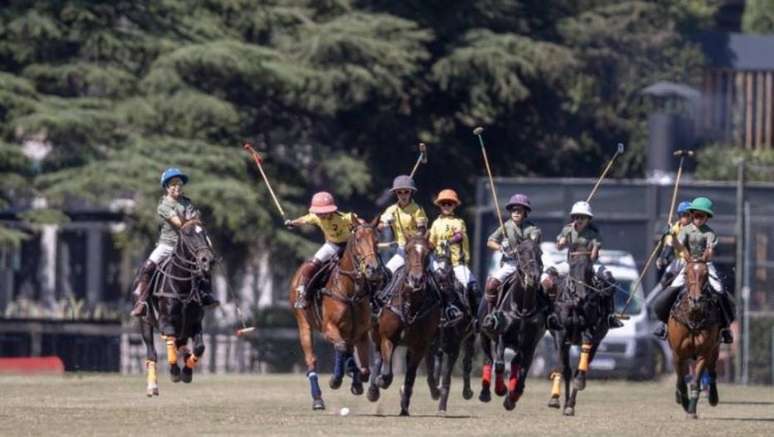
(382, 297)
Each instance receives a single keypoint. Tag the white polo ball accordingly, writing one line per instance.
(344, 411)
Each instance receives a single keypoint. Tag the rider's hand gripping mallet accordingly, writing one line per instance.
(258, 162)
(422, 159)
(618, 153)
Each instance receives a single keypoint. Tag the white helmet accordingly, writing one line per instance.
(581, 208)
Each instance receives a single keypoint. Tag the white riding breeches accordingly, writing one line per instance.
(461, 272)
(326, 252)
(160, 253)
(397, 260)
(507, 268)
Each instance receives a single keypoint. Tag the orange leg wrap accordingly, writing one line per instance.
(556, 386)
(583, 365)
(171, 351)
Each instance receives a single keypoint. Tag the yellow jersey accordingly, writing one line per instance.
(407, 219)
(676, 228)
(443, 229)
(336, 227)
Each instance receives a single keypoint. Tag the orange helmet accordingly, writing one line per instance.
(323, 203)
(447, 195)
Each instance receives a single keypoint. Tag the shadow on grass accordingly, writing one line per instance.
(746, 403)
(742, 419)
(420, 416)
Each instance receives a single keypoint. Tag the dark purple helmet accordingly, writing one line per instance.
(519, 200)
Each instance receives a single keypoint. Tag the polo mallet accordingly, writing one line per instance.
(258, 162)
(682, 154)
(422, 159)
(478, 132)
(618, 153)
(245, 329)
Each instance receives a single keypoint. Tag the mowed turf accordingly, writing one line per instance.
(91, 404)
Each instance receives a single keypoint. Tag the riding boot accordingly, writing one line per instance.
(490, 294)
(308, 269)
(662, 304)
(142, 290)
(727, 312)
(205, 290)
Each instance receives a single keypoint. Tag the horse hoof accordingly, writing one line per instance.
(404, 412)
(149, 393)
(553, 403)
(435, 393)
(373, 393)
(678, 398)
(156, 391)
(174, 373)
(440, 413)
(187, 375)
(691, 416)
(501, 391)
(485, 396)
(318, 404)
(569, 411)
(508, 403)
(713, 396)
(356, 389)
(383, 382)
(467, 393)
(334, 383)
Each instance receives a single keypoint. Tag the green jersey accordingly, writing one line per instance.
(167, 209)
(697, 239)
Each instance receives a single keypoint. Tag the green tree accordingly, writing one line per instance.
(758, 16)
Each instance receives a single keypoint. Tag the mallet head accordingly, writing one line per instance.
(620, 149)
(682, 153)
(244, 331)
(478, 131)
(423, 151)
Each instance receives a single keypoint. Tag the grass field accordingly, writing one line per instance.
(280, 405)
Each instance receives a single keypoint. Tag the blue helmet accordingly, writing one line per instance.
(683, 207)
(170, 173)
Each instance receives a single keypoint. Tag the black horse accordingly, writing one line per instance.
(582, 308)
(175, 307)
(517, 323)
(445, 349)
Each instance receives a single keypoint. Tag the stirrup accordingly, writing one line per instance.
(661, 332)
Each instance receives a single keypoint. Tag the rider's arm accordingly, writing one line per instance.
(493, 242)
(168, 213)
(421, 219)
(176, 221)
(709, 252)
(465, 244)
(561, 239)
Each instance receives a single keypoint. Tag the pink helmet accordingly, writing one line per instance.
(323, 203)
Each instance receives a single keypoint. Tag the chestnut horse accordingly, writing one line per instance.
(341, 312)
(413, 311)
(694, 328)
(174, 307)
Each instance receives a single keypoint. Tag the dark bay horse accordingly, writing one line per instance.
(175, 306)
(341, 312)
(520, 325)
(412, 313)
(582, 307)
(445, 349)
(694, 329)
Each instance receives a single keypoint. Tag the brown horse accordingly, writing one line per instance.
(413, 311)
(342, 312)
(694, 328)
